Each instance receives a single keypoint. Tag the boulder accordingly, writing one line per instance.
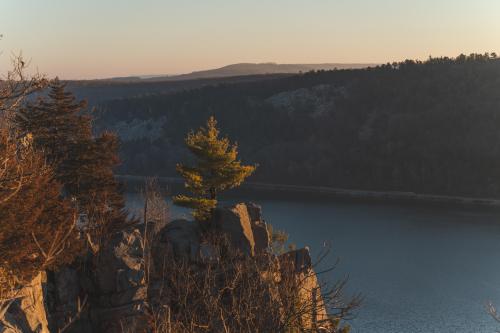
(234, 222)
(259, 227)
(27, 312)
(243, 225)
(65, 290)
(119, 265)
(119, 279)
(181, 237)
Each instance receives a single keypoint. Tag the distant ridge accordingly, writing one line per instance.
(242, 69)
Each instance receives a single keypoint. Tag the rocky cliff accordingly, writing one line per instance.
(137, 273)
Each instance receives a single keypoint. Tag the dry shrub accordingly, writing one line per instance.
(155, 215)
(156, 211)
(225, 291)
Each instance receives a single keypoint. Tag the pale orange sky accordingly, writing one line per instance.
(98, 38)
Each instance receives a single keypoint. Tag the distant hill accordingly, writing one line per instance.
(243, 69)
(97, 91)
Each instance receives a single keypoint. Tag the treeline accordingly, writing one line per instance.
(424, 126)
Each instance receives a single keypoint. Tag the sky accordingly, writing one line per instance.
(84, 39)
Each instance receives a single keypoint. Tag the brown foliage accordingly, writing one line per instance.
(37, 229)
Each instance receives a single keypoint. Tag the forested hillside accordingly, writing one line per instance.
(98, 91)
(427, 127)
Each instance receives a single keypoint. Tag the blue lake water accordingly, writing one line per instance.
(420, 269)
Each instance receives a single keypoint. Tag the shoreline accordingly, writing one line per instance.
(339, 193)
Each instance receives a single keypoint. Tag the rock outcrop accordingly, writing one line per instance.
(244, 227)
(182, 237)
(120, 285)
(242, 224)
(112, 291)
(27, 311)
(104, 294)
(298, 263)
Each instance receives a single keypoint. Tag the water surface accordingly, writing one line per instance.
(420, 269)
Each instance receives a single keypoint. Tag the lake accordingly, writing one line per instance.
(420, 269)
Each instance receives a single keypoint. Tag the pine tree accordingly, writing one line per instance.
(82, 163)
(216, 170)
(37, 226)
(56, 123)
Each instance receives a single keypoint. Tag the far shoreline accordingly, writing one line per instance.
(134, 182)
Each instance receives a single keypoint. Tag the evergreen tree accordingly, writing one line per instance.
(56, 123)
(82, 163)
(37, 226)
(216, 170)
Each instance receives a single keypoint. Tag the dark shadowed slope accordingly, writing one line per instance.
(427, 127)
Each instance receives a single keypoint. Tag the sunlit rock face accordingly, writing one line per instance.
(244, 226)
(27, 311)
(298, 263)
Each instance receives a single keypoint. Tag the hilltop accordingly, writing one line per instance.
(243, 69)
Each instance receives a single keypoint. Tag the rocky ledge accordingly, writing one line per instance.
(116, 290)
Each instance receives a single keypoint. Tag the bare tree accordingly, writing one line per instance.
(155, 215)
(156, 210)
(16, 85)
